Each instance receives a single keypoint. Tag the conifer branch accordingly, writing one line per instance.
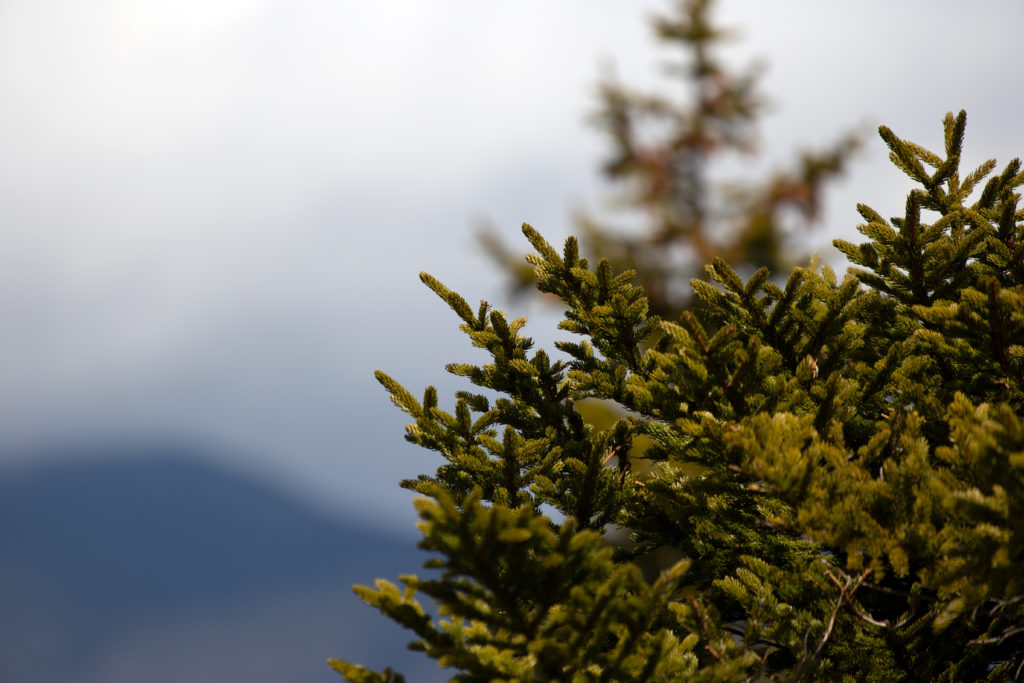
(806, 448)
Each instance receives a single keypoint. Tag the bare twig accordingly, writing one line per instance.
(846, 592)
(867, 617)
(998, 640)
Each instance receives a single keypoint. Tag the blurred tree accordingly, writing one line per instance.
(663, 156)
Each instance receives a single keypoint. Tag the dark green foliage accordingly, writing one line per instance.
(838, 462)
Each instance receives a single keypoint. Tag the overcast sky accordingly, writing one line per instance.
(214, 211)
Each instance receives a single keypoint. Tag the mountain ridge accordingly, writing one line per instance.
(102, 549)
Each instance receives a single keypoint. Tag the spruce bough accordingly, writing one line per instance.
(833, 468)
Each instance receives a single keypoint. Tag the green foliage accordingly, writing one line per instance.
(836, 465)
(524, 600)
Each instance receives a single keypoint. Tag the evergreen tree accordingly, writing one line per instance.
(836, 464)
(666, 159)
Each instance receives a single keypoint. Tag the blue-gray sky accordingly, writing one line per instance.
(214, 211)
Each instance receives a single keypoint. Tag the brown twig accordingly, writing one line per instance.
(846, 592)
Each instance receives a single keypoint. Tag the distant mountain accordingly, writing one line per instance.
(151, 564)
